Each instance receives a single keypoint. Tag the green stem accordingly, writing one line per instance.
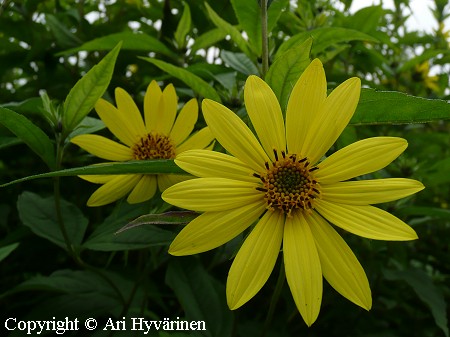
(275, 297)
(265, 43)
(57, 192)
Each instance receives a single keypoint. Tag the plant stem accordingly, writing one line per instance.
(57, 192)
(265, 43)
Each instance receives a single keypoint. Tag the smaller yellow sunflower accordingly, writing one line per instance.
(422, 74)
(163, 136)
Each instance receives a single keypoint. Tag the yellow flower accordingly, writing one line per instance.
(280, 183)
(421, 74)
(162, 136)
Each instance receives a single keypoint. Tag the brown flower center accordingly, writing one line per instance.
(154, 146)
(289, 184)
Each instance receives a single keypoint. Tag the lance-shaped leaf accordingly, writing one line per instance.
(30, 134)
(6, 250)
(239, 62)
(86, 92)
(286, 70)
(108, 238)
(427, 291)
(193, 81)
(39, 214)
(390, 107)
(183, 28)
(131, 41)
(229, 29)
(168, 218)
(161, 166)
(200, 295)
(208, 39)
(63, 35)
(324, 37)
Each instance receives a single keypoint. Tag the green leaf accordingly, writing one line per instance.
(229, 29)
(437, 174)
(208, 39)
(26, 107)
(389, 107)
(286, 70)
(276, 7)
(77, 293)
(109, 236)
(131, 41)
(40, 215)
(86, 92)
(426, 56)
(248, 14)
(65, 281)
(239, 62)
(183, 28)
(193, 81)
(427, 291)
(168, 218)
(160, 166)
(6, 142)
(432, 212)
(323, 38)
(200, 295)
(31, 135)
(87, 125)
(138, 238)
(365, 20)
(63, 35)
(6, 250)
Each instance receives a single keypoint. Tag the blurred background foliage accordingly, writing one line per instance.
(47, 46)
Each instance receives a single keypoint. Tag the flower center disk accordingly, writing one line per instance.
(154, 146)
(289, 184)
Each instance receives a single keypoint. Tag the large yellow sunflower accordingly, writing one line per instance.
(162, 136)
(281, 183)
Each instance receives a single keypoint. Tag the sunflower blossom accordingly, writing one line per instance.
(163, 135)
(281, 183)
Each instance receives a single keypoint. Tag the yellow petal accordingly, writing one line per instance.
(366, 221)
(302, 264)
(209, 164)
(198, 140)
(266, 116)
(113, 190)
(152, 109)
(185, 122)
(116, 122)
(365, 156)
(103, 147)
(255, 260)
(234, 135)
(212, 229)
(98, 179)
(368, 192)
(144, 190)
(167, 180)
(333, 117)
(212, 194)
(130, 111)
(305, 100)
(340, 267)
(170, 104)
